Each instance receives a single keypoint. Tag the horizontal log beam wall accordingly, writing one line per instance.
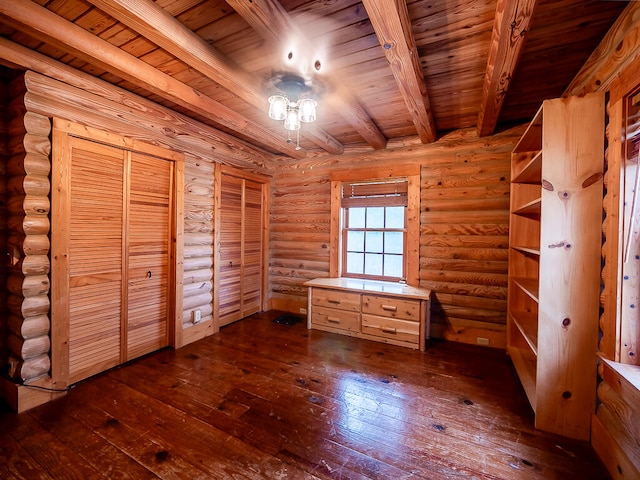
(125, 114)
(198, 249)
(615, 431)
(28, 206)
(113, 110)
(4, 214)
(463, 228)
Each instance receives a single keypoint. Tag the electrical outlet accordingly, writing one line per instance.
(482, 341)
(196, 316)
(303, 310)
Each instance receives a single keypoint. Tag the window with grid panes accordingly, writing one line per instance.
(374, 229)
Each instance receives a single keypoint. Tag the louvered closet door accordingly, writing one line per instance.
(95, 247)
(252, 249)
(241, 248)
(230, 249)
(148, 254)
(119, 256)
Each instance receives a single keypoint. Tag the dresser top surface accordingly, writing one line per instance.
(370, 286)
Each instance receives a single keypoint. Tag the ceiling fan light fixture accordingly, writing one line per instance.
(292, 122)
(307, 108)
(289, 106)
(278, 107)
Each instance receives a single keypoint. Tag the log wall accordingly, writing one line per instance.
(4, 214)
(28, 205)
(119, 112)
(35, 99)
(464, 220)
(615, 428)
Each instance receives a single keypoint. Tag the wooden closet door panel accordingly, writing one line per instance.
(148, 259)
(230, 249)
(95, 257)
(252, 249)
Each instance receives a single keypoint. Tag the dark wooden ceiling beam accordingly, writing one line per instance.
(391, 22)
(48, 27)
(616, 50)
(270, 19)
(511, 23)
(154, 23)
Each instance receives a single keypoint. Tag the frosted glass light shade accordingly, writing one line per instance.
(292, 122)
(307, 108)
(278, 107)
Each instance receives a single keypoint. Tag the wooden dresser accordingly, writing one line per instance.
(381, 311)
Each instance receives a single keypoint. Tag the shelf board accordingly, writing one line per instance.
(529, 209)
(527, 324)
(525, 364)
(527, 250)
(531, 139)
(529, 286)
(531, 171)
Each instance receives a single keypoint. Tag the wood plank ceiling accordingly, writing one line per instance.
(381, 70)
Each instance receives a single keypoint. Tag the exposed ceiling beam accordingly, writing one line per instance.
(234, 151)
(511, 23)
(391, 22)
(154, 23)
(617, 49)
(270, 19)
(46, 26)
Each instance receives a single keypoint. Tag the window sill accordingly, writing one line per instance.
(628, 375)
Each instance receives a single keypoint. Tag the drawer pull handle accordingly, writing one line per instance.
(390, 308)
(337, 302)
(333, 320)
(388, 330)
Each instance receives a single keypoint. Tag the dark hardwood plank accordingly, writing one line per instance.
(263, 400)
(94, 449)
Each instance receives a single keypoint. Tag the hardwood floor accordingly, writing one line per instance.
(264, 400)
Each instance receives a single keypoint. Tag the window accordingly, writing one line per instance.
(375, 225)
(373, 235)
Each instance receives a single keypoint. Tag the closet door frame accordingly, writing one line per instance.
(60, 174)
(245, 175)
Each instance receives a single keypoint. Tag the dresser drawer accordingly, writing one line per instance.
(336, 299)
(330, 317)
(392, 328)
(391, 307)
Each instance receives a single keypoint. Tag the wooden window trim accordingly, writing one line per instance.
(615, 229)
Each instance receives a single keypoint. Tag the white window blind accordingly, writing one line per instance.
(375, 193)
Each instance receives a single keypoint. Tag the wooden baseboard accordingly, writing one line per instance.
(197, 332)
(288, 304)
(495, 338)
(24, 397)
